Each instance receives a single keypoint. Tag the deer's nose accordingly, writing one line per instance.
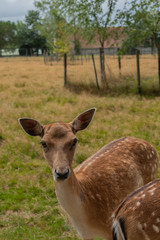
(61, 176)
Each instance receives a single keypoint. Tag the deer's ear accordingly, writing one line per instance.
(83, 120)
(31, 126)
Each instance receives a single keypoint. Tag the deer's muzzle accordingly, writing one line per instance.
(61, 176)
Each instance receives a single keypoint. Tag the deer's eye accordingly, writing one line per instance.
(74, 142)
(44, 145)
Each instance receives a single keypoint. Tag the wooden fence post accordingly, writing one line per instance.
(81, 59)
(65, 69)
(95, 71)
(44, 56)
(159, 66)
(119, 61)
(138, 72)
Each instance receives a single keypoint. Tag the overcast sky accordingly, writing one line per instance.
(14, 10)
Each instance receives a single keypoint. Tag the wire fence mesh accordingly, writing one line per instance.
(80, 69)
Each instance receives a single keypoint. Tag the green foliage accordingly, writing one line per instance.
(23, 34)
(93, 18)
(90, 18)
(54, 28)
(141, 21)
(7, 34)
(27, 33)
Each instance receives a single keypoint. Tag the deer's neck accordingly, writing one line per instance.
(69, 194)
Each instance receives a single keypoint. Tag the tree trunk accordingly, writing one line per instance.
(102, 67)
(159, 65)
(157, 44)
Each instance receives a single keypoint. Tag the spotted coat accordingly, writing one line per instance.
(138, 217)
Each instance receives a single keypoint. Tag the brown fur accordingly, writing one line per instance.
(141, 213)
(96, 187)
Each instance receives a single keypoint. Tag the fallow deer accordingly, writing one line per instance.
(89, 193)
(138, 217)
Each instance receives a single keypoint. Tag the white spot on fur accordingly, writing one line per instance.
(156, 229)
(140, 181)
(138, 204)
(144, 145)
(158, 220)
(152, 192)
(153, 213)
(143, 196)
(98, 196)
(143, 232)
(139, 226)
(148, 156)
(92, 196)
(88, 164)
(145, 225)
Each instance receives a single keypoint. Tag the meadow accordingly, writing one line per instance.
(28, 206)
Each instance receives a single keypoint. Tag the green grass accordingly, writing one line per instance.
(28, 206)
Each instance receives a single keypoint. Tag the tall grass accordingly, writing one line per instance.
(28, 205)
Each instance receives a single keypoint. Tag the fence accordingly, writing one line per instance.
(19, 52)
(119, 70)
(85, 69)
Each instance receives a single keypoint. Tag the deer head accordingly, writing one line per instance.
(58, 141)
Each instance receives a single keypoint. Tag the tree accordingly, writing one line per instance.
(28, 35)
(55, 29)
(7, 34)
(141, 21)
(90, 17)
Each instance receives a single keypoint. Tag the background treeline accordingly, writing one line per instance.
(61, 25)
(23, 34)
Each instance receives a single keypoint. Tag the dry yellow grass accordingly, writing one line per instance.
(85, 73)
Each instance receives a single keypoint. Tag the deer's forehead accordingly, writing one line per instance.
(58, 130)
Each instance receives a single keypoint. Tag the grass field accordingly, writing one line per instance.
(28, 205)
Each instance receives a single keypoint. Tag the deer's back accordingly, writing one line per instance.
(119, 157)
(113, 172)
